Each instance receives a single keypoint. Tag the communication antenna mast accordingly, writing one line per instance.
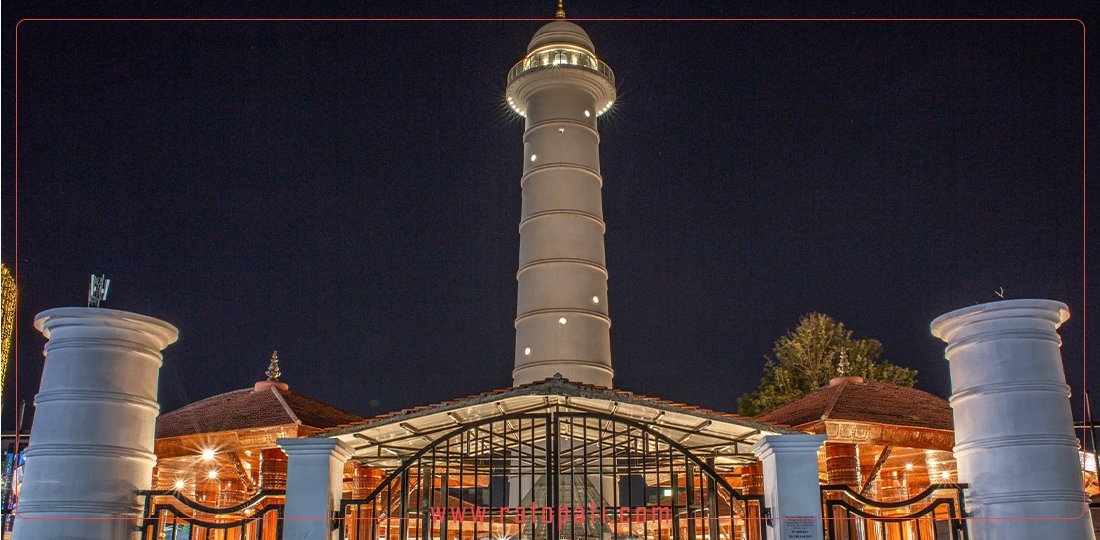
(97, 290)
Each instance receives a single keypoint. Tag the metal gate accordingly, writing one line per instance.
(936, 513)
(553, 476)
(169, 515)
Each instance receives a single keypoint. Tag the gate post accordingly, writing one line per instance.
(314, 484)
(91, 446)
(792, 493)
(1014, 439)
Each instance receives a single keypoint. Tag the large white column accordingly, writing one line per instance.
(91, 446)
(562, 321)
(1014, 439)
(314, 482)
(791, 489)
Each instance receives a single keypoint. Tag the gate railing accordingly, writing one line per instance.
(487, 478)
(168, 515)
(937, 513)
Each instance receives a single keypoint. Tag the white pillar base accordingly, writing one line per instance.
(791, 489)
(314, 483)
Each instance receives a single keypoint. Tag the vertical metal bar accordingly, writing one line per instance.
(657, 482)
(374, 515)
(573, 473)
(689, 478)
(444, 489)
(492, 454)
(584, 476)
(423, 510)
(477, 477)
(600, 474)
(712, 497)
(629, 475)
(553, 470)
(674, 482)
(645, 483)
(464, 440)
(615, 476)
(429, 486)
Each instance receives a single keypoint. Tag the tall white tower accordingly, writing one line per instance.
(562, 322)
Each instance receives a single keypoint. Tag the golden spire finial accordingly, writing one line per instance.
(561, 10)
(273, 372)
(844, 366)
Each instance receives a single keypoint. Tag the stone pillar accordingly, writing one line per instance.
(1014, 439)
(314, 482)
(791, 489)
(91, 445)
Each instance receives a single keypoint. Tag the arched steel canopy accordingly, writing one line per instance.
(385, 441)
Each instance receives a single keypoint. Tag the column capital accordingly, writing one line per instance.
(999, 320)
(316, 447)
(78, 321)
(787, 444)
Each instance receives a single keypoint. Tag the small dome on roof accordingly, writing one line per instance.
(564, 32)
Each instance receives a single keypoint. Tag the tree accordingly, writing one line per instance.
(806, 359)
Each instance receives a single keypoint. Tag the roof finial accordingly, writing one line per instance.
(561, 10)
(843, 366)
(273, 372)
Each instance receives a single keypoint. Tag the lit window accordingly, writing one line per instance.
(587, 113)
(595, 299)
(561, 130)
(534, 157)
(562, 320)
(527, 351)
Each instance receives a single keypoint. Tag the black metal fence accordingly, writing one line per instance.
(936, 513)
(169, 515)
(553, 476)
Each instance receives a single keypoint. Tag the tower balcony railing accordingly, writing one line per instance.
(560, 58)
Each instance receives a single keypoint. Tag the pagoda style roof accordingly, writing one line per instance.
(392, 436)
(870, 411)
(259, 407)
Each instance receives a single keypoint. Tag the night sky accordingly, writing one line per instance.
(348, 192)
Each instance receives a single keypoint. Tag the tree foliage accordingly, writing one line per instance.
(806, 359)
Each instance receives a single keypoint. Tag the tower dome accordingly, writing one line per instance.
(561, 32)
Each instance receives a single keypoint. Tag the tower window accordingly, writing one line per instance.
(561, 130)
(527, 351)
(562, 321)
(534, 157)
(587, 113)
(595, 299)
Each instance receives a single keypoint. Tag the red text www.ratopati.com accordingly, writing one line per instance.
(546, 515)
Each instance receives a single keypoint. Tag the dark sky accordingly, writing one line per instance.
(348, 192)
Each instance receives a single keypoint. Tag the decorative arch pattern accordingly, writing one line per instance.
(552, 476)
